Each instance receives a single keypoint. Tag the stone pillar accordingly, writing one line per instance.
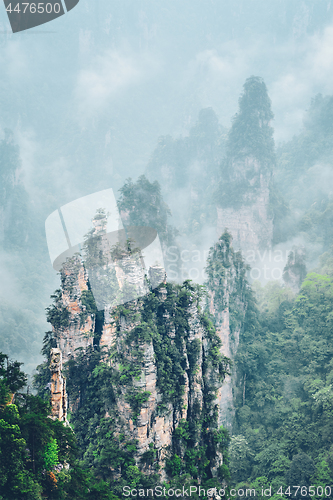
(58, 387)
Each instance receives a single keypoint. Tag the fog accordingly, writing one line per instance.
(88, 96)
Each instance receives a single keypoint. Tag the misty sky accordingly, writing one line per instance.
(94, 89)
(89, 94)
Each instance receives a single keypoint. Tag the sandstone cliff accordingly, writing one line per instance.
(243, 201)
(58, 387)
(227, 290)
(164, 370)
(159, 361)
(13, 197)
(244, 209)
(250, 222)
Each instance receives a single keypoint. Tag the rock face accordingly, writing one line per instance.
(166, 361)
(75, 326)
(147, 425)
(13, 197)
(58, 387)
(164, 370)
(243, 204)
(250, 224)
(243, 207)
(227, 288)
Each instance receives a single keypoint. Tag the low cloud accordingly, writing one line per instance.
(294, 72)
(107, 77)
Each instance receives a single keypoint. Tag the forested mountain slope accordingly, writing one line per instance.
(284, 399)
(145, 379)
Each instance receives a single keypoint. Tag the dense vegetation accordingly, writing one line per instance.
(284, 400)
(38, 455)
(98, 382)
(283, 396)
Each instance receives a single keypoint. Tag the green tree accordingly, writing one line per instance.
(240, 458)
(51, 458)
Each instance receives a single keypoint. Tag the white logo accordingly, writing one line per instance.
(123, 263)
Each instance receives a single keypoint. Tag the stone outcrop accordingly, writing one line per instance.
(145, 408)
(227, 289)
(58, 387)
(152, 425)
(107, 273)
(247, 170)
(250, 222)
(295, 270)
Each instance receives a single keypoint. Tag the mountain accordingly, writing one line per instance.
(145, 379)
(243, 198)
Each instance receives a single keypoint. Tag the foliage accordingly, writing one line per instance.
(141, 204)
(51, 459)
(284, 393)
(302, 175)
(136, 399)
(251, 133)
(250, 150)
(38, 454)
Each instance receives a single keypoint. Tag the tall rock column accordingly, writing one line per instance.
(73, 322)
(227, 287)
(160, 369)
(246, 175)
(58, 387)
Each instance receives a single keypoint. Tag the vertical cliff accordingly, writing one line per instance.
(58, 387)
(228, 292)
(246, 173)
(250, 223)
(148, 382)
(145, 375)
(188, 170)
(158, 365)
